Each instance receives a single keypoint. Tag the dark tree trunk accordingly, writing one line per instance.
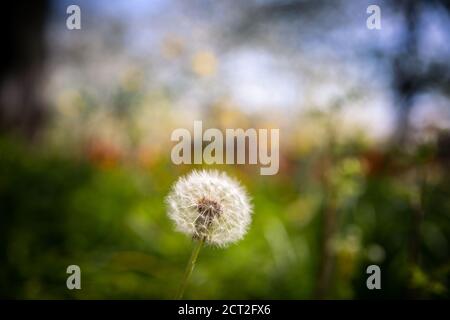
(22, 107)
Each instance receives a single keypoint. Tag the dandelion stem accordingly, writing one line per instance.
(190, 267)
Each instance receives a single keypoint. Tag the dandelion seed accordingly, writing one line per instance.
(210, 205)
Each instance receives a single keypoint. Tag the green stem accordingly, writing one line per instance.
(190, 268)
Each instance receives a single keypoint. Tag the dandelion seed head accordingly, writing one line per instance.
(210, 205)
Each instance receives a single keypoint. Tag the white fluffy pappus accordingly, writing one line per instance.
(210, 205)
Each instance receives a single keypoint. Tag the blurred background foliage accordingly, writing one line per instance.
(364, 176)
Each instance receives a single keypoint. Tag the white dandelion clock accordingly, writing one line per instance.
(210, 207)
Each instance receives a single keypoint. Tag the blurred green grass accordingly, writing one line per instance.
(110, 220)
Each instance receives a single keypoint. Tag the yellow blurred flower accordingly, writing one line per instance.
(204, 63)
